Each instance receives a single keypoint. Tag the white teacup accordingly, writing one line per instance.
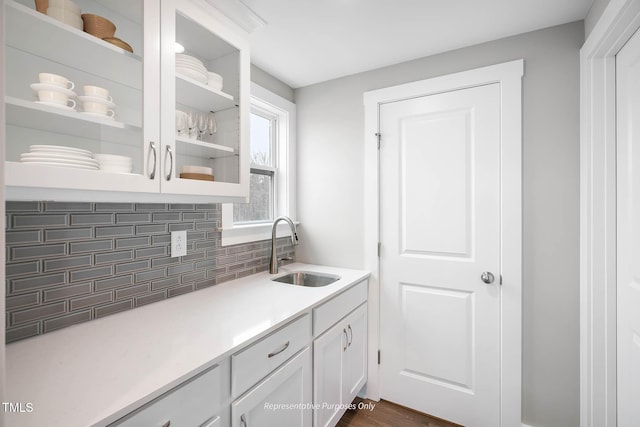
(57, 80)
(97, 108)
(97, 91)
(55, 97)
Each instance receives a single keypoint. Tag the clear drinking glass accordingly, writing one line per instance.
(201, 124)
(181, 122)
(212, 126)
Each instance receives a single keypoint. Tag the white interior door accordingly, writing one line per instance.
(628, 253)
(440, 231)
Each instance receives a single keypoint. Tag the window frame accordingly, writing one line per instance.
(284, 181)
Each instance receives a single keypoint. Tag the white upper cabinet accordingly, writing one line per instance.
(205, 127)
(145, 94)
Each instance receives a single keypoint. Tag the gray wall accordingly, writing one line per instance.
(330, 202)
(267, 81)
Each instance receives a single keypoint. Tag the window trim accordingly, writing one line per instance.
(285, 180)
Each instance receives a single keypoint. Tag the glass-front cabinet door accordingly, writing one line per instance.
(205, 81)
(82, 106)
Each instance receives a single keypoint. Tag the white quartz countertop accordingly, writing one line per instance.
(93, 373)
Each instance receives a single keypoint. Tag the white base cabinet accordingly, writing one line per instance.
(283, 379)
(340, 367)
(281, 399)
(199, 402)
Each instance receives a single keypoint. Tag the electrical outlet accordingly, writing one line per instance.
(178, 243)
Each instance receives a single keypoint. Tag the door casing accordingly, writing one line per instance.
(509, 76)
(598, 401)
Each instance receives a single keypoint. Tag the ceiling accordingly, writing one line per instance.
(310, 41)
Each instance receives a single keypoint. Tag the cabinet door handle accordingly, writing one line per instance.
(350, 336)
(170, 154)
(243, 420)
(167, 424)
(346, 341)
(280, 350)
(152, 147)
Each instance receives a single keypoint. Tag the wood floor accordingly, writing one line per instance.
(387, 414)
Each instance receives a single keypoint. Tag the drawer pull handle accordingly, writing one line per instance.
(243, 420)
(350, 336)
(280, 350)
(152, 148)
(170, 157)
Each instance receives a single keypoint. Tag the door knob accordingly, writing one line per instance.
(487, 277)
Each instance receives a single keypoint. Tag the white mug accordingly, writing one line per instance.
(97, 91)
(55, 97)
(98, 108)
(56, 80)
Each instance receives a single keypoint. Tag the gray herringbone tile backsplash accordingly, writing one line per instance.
(68, 263)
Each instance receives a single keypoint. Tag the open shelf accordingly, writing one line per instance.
(41, 35)
(193, 147)
(28, 114)
(200, 96)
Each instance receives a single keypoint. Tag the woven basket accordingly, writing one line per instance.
(98, 26)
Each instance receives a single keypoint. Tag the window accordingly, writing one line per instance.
(264, 140)
(272, 171)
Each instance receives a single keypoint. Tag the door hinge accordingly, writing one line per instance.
(379, 248)
(501, 279)
(378, 135)
(378, 357)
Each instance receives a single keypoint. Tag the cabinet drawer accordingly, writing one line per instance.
(335, 309)
(193, 403)
(258, 360)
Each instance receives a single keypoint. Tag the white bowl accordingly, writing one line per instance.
(65, 4)
(115, 168)
(197, 169)
(113, 158)
(62, 14)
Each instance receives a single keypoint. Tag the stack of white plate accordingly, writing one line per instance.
(192, 67)
(56, 155)
(114, 163)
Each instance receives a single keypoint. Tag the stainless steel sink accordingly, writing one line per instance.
(307, 278)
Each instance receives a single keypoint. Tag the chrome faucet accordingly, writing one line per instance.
(273, 264)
